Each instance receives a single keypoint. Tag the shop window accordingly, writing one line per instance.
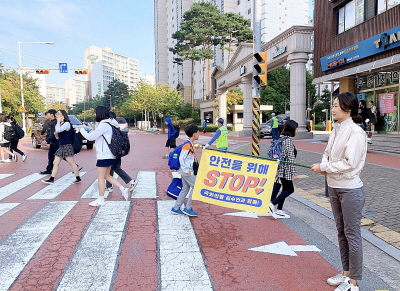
(384, 5)
(351, 15)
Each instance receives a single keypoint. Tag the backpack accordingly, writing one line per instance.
(174, 188)
(119, 145)
(275, 150)
(173, 160)
(19, 131)
(177, 131)
(9, 133)
(76, 139)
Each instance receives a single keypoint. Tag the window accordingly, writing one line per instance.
(249, 11)
(384, 5)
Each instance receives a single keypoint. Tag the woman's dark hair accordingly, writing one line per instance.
(102, 113)
(65, 115)
(289, 128)
(348, 103)
(363, 102)
(191, 129)
(112, 115)
(11, 118)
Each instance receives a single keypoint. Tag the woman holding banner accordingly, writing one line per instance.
(286, 172)
(342, 162)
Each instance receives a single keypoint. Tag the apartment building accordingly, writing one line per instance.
(277, 16)
(104, 66)
(55, 94)
(75, 90)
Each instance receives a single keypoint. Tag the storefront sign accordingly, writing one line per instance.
(386, 103)
(279, 51)
(381, 42)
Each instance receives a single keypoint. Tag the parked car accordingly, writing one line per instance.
(123, 124)
(265, 128)
(37, 127)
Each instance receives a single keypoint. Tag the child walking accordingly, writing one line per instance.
(186, 159)
(105, 159)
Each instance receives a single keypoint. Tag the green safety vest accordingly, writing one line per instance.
(222, 140)
(274, 122)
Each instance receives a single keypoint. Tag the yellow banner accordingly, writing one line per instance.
(235, 181)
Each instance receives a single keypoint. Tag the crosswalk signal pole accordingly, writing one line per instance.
(255, 143)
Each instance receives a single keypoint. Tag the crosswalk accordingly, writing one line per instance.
(92, 265)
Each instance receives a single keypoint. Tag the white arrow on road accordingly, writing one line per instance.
(282, 248)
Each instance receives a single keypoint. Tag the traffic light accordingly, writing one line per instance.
(81, 72)
(42, 71)
(261, 68)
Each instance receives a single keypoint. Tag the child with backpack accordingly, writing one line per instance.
(6, 134)
(286, 172)
(171, 141)
(186, 160)
(19, 134)
(105, 158)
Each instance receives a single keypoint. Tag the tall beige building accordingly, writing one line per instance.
(104, 66)
(277, 16)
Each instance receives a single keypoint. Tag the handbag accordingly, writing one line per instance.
(174, 188)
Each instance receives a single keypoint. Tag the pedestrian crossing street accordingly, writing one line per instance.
(94, 261)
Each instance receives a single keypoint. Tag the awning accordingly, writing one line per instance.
(390, 61)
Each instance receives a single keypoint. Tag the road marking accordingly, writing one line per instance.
(181, 262)
(2, 176)
(17, 249)
(53, 190)
(15, 186)
(5, 207)
(282, 248)
(246, 214)
(92, 191)
(93, 263)
(147, 185)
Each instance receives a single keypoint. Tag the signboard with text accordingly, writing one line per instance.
(379, 43)
(234, 181)
(386, 103)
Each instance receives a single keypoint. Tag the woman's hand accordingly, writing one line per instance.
(316, 168)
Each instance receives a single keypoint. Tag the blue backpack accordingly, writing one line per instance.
(275, 150)
(173, 160)
(174, 188)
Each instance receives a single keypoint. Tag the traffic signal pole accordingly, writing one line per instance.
(255, 146)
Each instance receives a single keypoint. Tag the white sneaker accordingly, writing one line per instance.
(133, 185)
(336, 280)
(347, 286)
(272, 210)
(15, 158)
(24, 158)
(125, 193)
(281, 214)
(7, 161)
(97, 202)
(109, 189)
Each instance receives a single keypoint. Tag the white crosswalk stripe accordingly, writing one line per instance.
(19, 247)
(147, 185)
(5, 207)
(93, 191)
(52, 191)
(92, 266)
(15, 186)
(2, 176)
(181, 261)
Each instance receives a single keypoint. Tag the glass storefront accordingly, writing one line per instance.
(383, 89)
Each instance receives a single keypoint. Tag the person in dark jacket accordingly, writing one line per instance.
(65, 134)
(171, 141)
(14, 142)
(51, 141)
(363, 111)
(287, 172)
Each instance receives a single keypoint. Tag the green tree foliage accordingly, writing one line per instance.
(11, 95)
(320, 103)
(91, 103)
(116, 92)
(233, 97)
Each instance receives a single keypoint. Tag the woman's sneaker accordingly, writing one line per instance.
(97, 202)
(336, 280)
(133, 185)
(14, 158)
(272, 210)
(347, 286)
(125, 194)
(24, 158)
(281, 214)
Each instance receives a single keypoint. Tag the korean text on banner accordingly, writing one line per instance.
(235, 181)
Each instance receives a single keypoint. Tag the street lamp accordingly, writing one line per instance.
(20, 76)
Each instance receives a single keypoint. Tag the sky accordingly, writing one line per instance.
(126, 26)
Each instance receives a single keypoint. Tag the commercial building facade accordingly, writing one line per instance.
(357, 43)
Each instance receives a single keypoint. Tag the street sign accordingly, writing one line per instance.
(63, 67)
(21, 109)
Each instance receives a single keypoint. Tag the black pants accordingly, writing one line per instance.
(14, 147)
(50, 156)
(117, 169)
(287, 189)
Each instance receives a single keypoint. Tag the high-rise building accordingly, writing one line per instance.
(104, 66)
(75, 90)
(55, 94)
(277, 16)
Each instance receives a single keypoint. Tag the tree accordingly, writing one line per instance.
(236, 29)
(233, 97)
(116, 91)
